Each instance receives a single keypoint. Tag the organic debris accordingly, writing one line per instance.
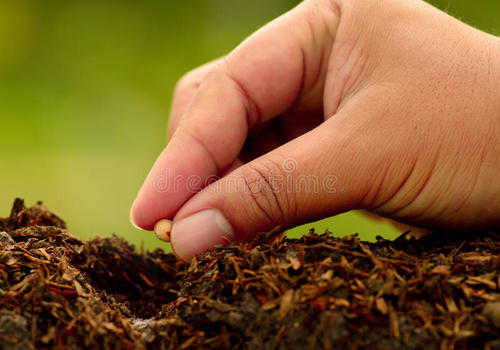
(318, 292)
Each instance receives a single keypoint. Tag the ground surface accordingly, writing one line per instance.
(437, 292)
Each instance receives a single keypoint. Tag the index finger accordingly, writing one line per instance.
(260, 79)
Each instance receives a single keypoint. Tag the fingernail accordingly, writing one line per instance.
(199, 232)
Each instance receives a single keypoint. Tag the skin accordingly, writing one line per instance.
(394, 101)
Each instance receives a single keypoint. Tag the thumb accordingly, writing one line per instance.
(315, 175)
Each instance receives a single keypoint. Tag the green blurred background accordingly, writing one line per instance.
(85, 91)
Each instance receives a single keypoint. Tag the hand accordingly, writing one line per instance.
(390, 106)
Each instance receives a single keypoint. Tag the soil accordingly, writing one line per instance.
(440, 291)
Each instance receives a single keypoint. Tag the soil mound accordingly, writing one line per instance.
(441, 291)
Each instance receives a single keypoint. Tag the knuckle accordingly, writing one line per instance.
(185, 83)
(263, 182)
(191, 81)
(320, 7)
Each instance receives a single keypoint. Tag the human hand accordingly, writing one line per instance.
(390, 106)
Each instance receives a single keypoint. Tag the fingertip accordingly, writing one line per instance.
(178, 256)
(138, 217)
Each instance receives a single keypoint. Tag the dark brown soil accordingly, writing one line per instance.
(318, 292)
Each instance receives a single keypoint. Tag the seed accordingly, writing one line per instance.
(162, 230)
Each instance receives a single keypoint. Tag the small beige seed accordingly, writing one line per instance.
(162, 230)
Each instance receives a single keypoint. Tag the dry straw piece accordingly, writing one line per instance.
(163, 229)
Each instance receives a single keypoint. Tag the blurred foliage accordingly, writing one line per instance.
(85, 89)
